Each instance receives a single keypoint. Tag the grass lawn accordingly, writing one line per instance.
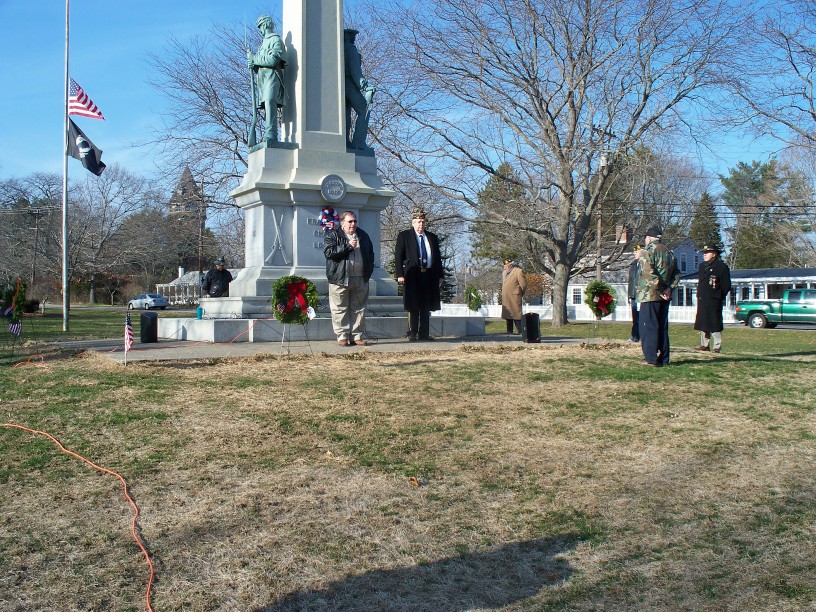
(536, 477)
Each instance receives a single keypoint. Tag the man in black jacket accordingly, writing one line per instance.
(216, 281)
(349, 256)
(713, 286)
(419, 270)
(634, 275)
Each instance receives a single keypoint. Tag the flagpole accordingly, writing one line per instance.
(65, 295)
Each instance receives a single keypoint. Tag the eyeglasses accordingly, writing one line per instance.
(351, 220)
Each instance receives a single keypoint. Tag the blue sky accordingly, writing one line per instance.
(109, 44)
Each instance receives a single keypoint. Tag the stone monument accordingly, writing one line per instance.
(316, 159)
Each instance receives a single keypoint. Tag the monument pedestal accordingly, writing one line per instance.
(320, 328)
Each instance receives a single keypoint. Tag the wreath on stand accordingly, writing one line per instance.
(292, 299)
(600, 297)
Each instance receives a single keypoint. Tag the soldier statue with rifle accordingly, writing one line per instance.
(358, 93)
(269, 95)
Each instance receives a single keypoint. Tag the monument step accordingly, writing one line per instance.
(320, 328)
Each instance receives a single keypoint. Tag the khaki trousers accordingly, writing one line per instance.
(348, 306)
(706, 337)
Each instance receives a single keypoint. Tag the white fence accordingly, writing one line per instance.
(581, 312)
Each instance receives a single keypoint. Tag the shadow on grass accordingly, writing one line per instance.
(797, 354)
(481, 581)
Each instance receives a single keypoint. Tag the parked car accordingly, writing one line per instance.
(146, 301)
(796, 306)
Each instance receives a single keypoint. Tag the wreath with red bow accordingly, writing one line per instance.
(291, 298)
(600, 297)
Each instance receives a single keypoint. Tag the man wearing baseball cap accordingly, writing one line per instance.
(713, 286)
(216, 281)
(658, 278)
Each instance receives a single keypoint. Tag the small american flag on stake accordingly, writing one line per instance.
(80, 104)
(128, 333)
(16, 328)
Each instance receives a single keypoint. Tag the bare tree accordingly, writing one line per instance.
(560, 90)
(29, 230)
(101, 206)
(206, 80)
(774, 79)
(650, 187)
(801, 228)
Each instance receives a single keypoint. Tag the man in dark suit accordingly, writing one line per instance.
(419, 271)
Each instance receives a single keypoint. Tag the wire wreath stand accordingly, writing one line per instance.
(294, 300)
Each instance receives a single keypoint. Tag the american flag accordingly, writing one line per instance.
(16, 328)
(80, 104)
(128, 333)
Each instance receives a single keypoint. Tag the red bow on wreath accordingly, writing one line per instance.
(604, 300)
(296, 291)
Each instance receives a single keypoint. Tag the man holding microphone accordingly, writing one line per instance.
(349, 256)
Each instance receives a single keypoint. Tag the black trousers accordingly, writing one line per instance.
(654, 332)
(510, 323)
(635, 321)
(419, 323)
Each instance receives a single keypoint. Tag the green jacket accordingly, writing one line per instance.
(658, 272)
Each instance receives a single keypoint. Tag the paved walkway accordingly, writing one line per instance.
(174, 350)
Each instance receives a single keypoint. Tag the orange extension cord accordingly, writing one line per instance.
(127, 496)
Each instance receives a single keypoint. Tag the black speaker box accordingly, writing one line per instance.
(532, 327)
(149, 331)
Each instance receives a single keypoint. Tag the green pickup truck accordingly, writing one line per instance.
(796, 306)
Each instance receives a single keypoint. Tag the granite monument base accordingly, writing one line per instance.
(264, 328)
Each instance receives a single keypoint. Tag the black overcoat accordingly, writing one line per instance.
(711, 296)
(421, 289)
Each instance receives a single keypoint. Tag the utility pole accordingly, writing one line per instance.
(604, 139)
(598, 243)
(36, 213)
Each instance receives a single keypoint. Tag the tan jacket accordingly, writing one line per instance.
(513, 287)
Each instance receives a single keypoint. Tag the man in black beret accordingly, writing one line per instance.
(713, 286)
(419, 270)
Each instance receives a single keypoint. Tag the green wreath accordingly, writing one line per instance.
(473, 298)
(600, 297)
(291, 298)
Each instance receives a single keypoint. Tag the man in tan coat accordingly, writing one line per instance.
(513, 287)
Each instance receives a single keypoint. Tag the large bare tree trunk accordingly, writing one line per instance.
(560, 282)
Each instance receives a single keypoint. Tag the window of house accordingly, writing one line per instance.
(682, 262)
(689, 296)
(696, 261)
(681, 301)
(577, 295)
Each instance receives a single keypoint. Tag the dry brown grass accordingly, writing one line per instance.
(548, 478)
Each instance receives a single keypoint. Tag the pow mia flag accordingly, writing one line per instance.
(80, 147)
